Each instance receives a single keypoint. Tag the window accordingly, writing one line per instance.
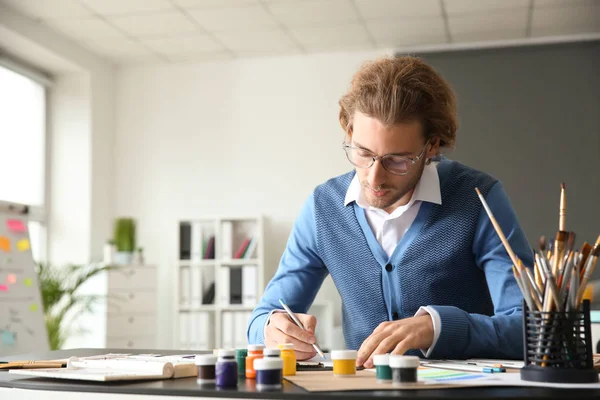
(23, 150)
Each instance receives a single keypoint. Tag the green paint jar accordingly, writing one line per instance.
(382, 368)
(240, 358)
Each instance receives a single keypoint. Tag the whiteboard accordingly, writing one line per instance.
(22, 328)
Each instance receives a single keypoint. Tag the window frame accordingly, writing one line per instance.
(37, 213)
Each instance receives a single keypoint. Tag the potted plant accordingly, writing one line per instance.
(61, 300)
(124, 238)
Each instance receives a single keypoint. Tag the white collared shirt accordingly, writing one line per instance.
(390, 228)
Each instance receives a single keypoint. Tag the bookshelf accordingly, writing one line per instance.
(220, 278)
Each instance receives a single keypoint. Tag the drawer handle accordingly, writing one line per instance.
(130, 320)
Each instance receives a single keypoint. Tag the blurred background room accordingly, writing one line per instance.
(178, 139)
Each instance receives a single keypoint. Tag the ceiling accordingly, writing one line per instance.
(171, 31)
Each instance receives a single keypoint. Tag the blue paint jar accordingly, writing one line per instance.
(269, 373)
(226, 369)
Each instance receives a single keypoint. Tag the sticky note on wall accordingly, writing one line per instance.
(5, 244)
(23, 245)
(16, 226)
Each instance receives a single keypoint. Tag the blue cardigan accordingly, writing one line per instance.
(450, 259)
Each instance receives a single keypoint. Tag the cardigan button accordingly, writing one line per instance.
(395, 315)
(389, 267)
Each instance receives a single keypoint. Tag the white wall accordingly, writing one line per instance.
(242, 137)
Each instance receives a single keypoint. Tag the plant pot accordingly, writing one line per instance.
(123, 257)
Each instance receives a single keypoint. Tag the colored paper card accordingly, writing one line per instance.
(23, 245)
(33, 307)
(3, 288)
(5, 244)
(28, 282)
(7, 338)
(16, 225)
(11, 279)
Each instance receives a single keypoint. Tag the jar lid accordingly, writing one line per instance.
(255, 347)
(205, 359)
(271, 352)
(241, 352)
(226, 353)
(397, 361)
(344, 354)
(268, 363)
(286, 346)
(381, 359)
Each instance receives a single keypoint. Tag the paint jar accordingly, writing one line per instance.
(206, 364)
(382, 368)
(269, 373)
(288, 356)
(344, 362)
(404, 369)
(271, 352)
(226, 369)
(240, 358)
(255, 352)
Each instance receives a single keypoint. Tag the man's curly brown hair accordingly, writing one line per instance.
(402, 89)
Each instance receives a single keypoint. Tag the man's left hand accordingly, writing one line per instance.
(397, 336)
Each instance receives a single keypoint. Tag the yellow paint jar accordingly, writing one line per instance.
(344, 362)
(288, 355)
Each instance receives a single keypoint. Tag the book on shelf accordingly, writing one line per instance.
(223, 292)
(235, 285)
(196, 285)
(209, 295)
(185, 240)
(185, 295)
(249, 285)
(242, 249)
(118, 368)
(249, 253)
(209, 250)
(226, 238)
(196, 242)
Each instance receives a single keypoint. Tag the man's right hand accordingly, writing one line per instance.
(281, 329)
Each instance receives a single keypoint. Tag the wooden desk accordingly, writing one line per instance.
(17, 387)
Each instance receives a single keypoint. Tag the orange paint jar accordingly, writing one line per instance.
(255, 352)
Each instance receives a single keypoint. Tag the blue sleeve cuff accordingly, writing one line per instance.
(256, 329)
(454, 337)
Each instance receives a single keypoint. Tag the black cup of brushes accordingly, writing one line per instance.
(558, 346)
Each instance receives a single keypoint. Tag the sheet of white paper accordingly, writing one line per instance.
(328, 362)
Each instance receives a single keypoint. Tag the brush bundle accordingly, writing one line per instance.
(556, 318)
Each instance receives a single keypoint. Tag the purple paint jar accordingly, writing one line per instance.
(226, 369)
(269, 373)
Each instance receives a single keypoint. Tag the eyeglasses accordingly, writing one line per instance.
(396, 164)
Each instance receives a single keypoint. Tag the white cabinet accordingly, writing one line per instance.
(220, 279)
(131, 314)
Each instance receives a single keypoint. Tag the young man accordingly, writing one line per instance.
(414, 256)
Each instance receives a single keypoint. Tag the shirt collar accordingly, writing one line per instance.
(427, 189)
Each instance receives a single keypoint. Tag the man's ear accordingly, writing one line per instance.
(434, 147)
